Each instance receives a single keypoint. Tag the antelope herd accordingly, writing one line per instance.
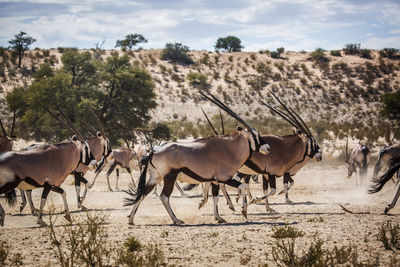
(218, 160)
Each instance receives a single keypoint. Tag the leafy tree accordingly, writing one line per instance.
(318, 54)
(391, 105)
(20, 44)
(280, 51)
(176, 52)
(125, 98)
(229, 43)
(352, 49)
(388, 52)
(120, 94)
(130, 41)
(79, 65)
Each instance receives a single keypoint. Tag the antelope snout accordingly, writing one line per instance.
(265, 149)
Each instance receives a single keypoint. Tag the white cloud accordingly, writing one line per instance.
(379, 43)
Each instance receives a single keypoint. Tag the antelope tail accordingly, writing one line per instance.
(380, 182)
(11, 197)
(136, 193)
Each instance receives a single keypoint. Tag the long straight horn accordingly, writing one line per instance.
(300, 126)
(57, 118)
(13, 123)
(2, 128)
(70, 123)
(209, 122)
(222, 122)
(94, 131)
(280, 113)
(221, 105)
(98, 122)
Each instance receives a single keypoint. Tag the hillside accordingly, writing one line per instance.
(334, 95)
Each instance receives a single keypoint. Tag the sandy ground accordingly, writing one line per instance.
(318, 191)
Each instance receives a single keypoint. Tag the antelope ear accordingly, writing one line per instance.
(98, 134)
(238, 128)
(296, 131)
(74, 138)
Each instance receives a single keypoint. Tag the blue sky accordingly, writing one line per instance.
(295, 25)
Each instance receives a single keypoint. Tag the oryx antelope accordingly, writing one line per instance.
(359, 157)
(288, 155)
(380, 182)
(117, 158)
(388, 156)
(215, 158)
(44, 166)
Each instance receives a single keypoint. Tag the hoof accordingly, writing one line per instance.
(255, 200)
(21, 208)
(131, 223)
(232, 208)
(244, 213)
(201, 204)
(178, 222)
(387, 210)
(82, 207)
(281, 192)
(288, 201)
(68, 217)
(271, 210)
(41, 223)
(35, 213)
(2, 222)
(220, 220)
(109, 189)
(90, 186)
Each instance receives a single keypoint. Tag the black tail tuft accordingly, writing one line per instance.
(11, 197)
(380, 182)
(132, 191)
(137, 193)
(189, 187)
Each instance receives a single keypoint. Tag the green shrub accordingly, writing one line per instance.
(388, 52)
(352, 49)
(318, 54)
(176, 52)
(336, 53)
(365, 53)
(286, 231)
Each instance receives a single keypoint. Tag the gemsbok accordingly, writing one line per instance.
(388, 156)
(117, 158)
(44, 166)
(215, 158)
(380, 182)
(288, 155)
(359, 157)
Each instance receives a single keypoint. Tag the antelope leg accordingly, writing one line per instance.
(227, 197)
(180, 189)
(64, 197)
(130, 174)
(205, 194)
(43, 199)
(33, 209)
(112, 167)
(391, 205)
(169, 182)
(2, 215)
(215, 194)
(23, 204)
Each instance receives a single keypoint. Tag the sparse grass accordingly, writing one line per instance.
(7, 258)
(389, 235)
(286, 231)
